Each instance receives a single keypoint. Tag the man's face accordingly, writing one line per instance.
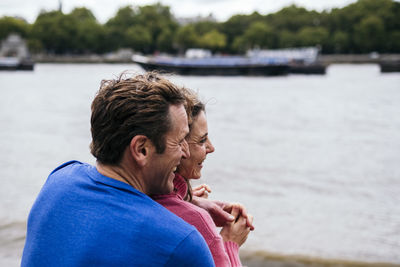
(162, 166)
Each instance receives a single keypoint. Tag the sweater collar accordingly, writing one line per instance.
(180, 186)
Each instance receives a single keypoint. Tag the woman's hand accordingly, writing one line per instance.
(242, 212)
(201, 191)
(216, 209)
(237, 231)
(220, 211)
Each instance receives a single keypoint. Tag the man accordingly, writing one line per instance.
(101, 215)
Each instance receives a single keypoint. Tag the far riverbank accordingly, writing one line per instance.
(325, 59)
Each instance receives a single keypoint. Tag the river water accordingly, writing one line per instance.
(315, 159)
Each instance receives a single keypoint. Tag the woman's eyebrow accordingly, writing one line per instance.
(204, 135)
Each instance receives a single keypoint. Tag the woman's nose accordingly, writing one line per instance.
(209, 148)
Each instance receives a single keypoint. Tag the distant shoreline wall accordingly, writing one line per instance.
(95, 59)
(359, 59)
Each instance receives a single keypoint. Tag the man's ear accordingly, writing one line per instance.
(139, 149)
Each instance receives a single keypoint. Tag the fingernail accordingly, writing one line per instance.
(231, 217)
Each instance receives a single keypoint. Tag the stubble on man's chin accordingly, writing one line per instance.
(162, 191)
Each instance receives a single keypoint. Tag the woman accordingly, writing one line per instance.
(225, 245)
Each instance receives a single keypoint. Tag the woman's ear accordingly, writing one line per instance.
(139, 149)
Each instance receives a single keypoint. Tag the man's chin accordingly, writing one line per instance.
(163, 189)
(168, 189)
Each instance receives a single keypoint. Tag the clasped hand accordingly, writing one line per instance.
(236, 223)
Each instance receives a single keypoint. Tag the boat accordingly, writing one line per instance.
(302, 68)
(256, 62)
(214, 65)
(390, 65)
(302, 60)
(15, 63)
(14, 54)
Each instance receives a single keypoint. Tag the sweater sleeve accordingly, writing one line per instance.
(232, 249)
(225, 253)
(192, 251)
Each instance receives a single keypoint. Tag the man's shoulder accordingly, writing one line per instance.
(167, 223)
(67, 165)
(192, 251)
(79, 206)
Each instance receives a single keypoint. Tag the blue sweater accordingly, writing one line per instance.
(82, 218)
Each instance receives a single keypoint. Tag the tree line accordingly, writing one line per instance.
(361, 27)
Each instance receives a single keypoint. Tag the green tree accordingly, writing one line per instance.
(203, 27)
(157, 19)
(35, 46)
(287, 39)
(369, 34)
(152, 19)
(239, 44)
(363, 26)
(116, 28)
(213, 40)
(312, 36)
(235, 27)
(123, 19)
(89, 33)
(340, 42)
(55, 31)
(258, 35)
(186, 37)
(393, 44)
(353, 18)
(165, 41)
(293, 18)
(138, 38)
(10, 25)
(82, 14)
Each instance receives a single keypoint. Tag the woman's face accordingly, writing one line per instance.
(199, 147)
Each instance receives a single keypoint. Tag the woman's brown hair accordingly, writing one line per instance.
(194, 107)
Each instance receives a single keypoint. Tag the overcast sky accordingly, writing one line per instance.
(221, 9)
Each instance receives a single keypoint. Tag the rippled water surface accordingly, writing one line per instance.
(314, 158)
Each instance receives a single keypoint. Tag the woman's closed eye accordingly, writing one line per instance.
(202, 141)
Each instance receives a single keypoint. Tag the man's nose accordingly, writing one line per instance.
(185, 150)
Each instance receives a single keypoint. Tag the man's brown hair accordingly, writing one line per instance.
(126, 107)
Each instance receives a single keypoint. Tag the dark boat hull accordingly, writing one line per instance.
(21, 65)
(390, 66)
(207, 70)
(26, 65)
(308, 69)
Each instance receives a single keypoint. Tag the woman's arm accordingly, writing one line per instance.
(235, 234)
(220, 211)
(237, 231)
